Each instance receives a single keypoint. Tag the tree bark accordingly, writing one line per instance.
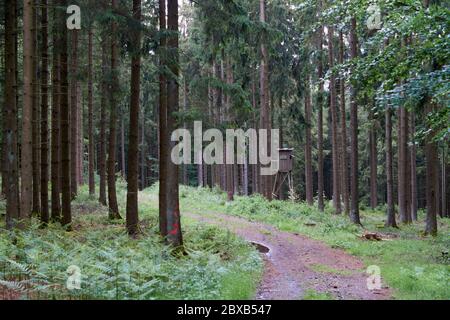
(163, 133)
(308, 145)
(73, 115)
(174, 235)
(354, 163)
(133, 149)
(229, 168)
(143, 151)
(44, 113)
(27, 111)
(266, 187)
(91, 147)
(10, 160)
(55, 133)
(112, 195)
(413, 163)
(445, 212)
(432, 162)
(403, 169)
(391, 220)
(185, 109)
(36, 132)
(407, 168)
(344, 153)
(320, 100)
(245, 174)
(373, 164)
(255, 167)
(200, 173)
(103, 120)
(65, 130)
(80, 135)
(334, 126)
(123, 166)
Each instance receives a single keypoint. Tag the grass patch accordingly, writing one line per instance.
(314, 295)
(321, 268)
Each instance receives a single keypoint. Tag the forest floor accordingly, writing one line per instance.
(304, 253)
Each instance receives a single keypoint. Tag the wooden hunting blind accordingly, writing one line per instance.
(286, 165)
(286, 160)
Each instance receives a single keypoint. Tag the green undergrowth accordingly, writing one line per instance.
(315, 295)
(34, 264)
(415, 267)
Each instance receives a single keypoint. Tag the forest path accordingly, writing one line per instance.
(296, 264)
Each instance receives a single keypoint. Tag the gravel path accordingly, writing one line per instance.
(295, 264)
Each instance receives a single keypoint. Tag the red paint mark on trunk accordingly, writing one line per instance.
(175, 228)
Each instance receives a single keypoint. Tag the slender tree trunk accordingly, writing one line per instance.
(102, 154)
(185, 109)
(163, 132)
(432, 162)
(245, 174)
(354, 163)
(400, 167)
(211, 119)
(344, 153)
(373, 165)
(55, 138)
(44, 113)
(112, 195)
(65, 130)
(413, 153)
(200, 174)
(320, 181)
(265, 105)
(174, 234)
(80, 135)
(281, 192)
(222, 113)
(334, 125)
(438, 184)
(229, 168)
(27, 111)
(10, 161)
(122, 149)
(445, 179)
(390, 221)
(143, 151)
(219, 105)
(133, 152)
(73, 115)
(205, 176)
(91, 151)
(445, 212)
(407, 169)
(36, 132)
(403, 183)
(308, 146)
(236, 179)
(255, 167)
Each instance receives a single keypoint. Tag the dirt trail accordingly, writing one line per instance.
(295, 263)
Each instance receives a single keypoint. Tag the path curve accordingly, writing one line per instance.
(296, 263)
